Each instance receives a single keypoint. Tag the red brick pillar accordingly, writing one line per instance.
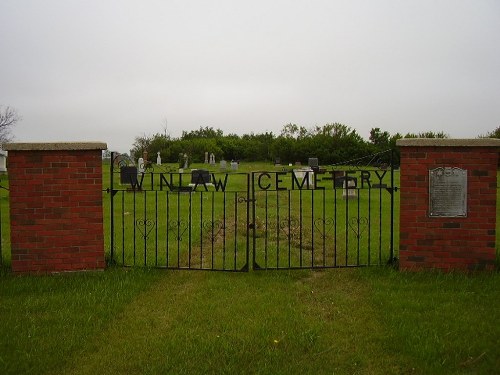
(56, 206)
(431, 239)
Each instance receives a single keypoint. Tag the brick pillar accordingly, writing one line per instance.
(465, 242)
(56, 209)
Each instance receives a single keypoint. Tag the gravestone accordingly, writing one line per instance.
(128, 175)
(206, 157)
(349, 191)
(140, 164)
(200, 176)
(3, 161)
(234, 165)
(313, 162)
(158, 159)
(223, 165)
(212, 159)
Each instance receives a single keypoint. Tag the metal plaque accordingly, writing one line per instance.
(448, 192)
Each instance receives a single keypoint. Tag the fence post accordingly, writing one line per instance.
(448, 203)
(56, 211)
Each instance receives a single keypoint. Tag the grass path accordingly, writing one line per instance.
(341, 321)
(199, 322)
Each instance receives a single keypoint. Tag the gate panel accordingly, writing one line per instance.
(331, 218)
(161, 220)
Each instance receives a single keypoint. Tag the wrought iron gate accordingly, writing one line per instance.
(282, 219)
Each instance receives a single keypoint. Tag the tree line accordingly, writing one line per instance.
(331, 144)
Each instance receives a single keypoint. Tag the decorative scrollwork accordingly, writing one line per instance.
(324, 226)
(358, 225)
(145, 226)
(177, 226)
(213, 228)
(289, 226)
(122, 160)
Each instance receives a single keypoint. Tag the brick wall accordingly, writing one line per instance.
(56, 207)
(446, 243)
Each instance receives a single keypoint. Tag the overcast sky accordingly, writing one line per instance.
(98, 70)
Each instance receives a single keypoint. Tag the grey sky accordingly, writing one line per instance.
(109, 71)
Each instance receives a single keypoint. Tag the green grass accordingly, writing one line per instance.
(342, 321)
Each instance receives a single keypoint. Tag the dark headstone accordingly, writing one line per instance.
(200, 176)
(128, 175)
(313, 162)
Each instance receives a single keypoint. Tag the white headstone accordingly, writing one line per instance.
(158, 159)
(212, 159)
(3, 161)
(349, 189)
(140, 165)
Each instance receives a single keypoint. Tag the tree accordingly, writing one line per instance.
(379, 138)
(8, 118)
(427, 134)
(493, 134)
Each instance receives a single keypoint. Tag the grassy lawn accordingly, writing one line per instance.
(337, 321)
(342, 321)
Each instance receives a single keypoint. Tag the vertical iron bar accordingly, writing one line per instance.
(167, 235)
(111, 205)
(300, 223)
(346, 184)
(266, 241)
(156, 229)
(213, 218)
(251, 187)
(224, 229)
(145, 229)
(369, 224)
(123, 228)
(201, 231)
(134, 223)
(235, 227)
(312, 226)
(190, 227)
(324, 228)
(290, 232)
(179, 230)
(254, 229)
(335, 225)
(278, 228)
(358, 235)
(380, 207)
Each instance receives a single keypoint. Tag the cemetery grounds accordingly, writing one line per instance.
(368, 320)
